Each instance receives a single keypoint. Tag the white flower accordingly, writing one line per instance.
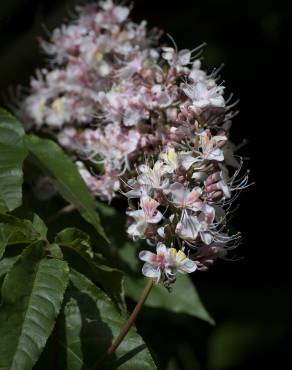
(210, 147)
(186, 160)
(153, 177)
(121, 13)
(201, 96)
(174, 160)
(184, 198)
(196, 73)
(36, 107)
(104, 186)
(180, 263)
(112, 144)
(206, 219)
(59, 112)
(170, 158)
(188, 227)
(155, 264)
(181, 58)
(223, 185)
(148, 214)
(166, 263)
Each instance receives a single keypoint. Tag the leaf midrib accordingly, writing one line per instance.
(25, 316)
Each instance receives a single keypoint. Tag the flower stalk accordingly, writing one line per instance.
(129, 323)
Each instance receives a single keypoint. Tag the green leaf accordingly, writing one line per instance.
(77, 240)
(183, 298)
(39, 225)
(110, 278)
(6, 264)
(12, 154)
(66, 178)
(16, 231)
(32, 295)
(91, 322)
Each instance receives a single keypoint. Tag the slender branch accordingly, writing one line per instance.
(132, 318)
(115, 344)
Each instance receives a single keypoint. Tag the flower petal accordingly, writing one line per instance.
(161, 249)
(155, 219)
(187, 266)
(147, 256)
(151, 271)
(137, 229)
(188, 227)
(206, 237)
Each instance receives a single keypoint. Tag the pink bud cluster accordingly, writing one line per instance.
(145, 120)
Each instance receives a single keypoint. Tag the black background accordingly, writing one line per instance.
(253, 40)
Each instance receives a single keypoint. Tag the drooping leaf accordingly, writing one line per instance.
(6, 264)
(183, 298)
(32, 295)
(109, 277)
(12, 154)
(91, 322)
(66, 178)
(39, 225)
(16, 231)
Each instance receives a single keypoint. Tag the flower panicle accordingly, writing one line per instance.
(151, 122)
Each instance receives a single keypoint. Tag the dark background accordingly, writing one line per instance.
(250, 298)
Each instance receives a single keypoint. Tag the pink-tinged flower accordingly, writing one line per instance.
(218, 182)
(133, 65)
(123, 104)
(184, 198)
(71, 139)
(137, 190)
(180, 262)
(148, 214)
(197, 75)
(188, 227)
(206, 219)
(177, 60)
(119, 13)
(170, 158)
(174, 160)
(65, 40)
(210, 146)
(165, 264)
(149, 179)
(156, 264)
(159, 97)
(153, 177)
(105, 186)
(203, 96)
(112, 144)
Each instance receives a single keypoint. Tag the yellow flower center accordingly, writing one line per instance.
(98, 56)
(178, 256)
(172, 252)
(42, 105)
(171, 157)
(58, 105)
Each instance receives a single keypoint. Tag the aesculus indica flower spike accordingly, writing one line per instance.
(143, 119)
